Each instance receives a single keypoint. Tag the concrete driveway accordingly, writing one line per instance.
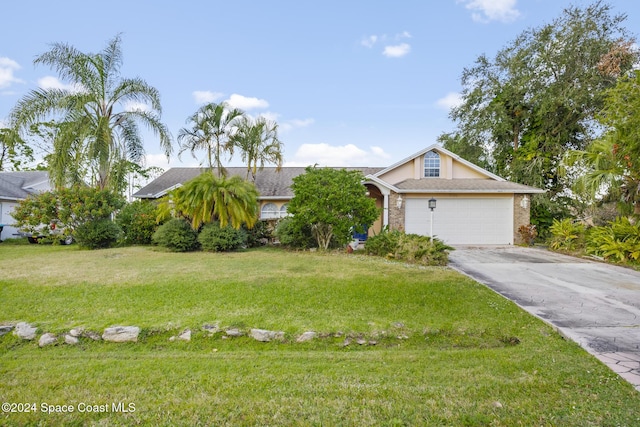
(594, 304)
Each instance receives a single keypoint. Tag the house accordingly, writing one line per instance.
(16, 186)
(473, 206)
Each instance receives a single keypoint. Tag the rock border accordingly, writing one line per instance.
(125, 334)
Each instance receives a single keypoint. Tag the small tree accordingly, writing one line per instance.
(333, 202)
(66, 207)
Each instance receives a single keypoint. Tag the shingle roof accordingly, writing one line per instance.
(439, 185)
(269, 182)
(19, 185)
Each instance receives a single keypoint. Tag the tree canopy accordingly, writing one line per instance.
(612, 162)
(258, 142)
(333, 202)
(522, 110)
(211, 129)
(97, 113)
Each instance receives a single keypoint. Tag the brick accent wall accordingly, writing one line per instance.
(521, 216)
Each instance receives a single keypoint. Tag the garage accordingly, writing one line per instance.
(468, 220)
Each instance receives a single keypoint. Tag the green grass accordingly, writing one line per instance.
(466, 348)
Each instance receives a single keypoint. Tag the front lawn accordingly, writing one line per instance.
(438, 348)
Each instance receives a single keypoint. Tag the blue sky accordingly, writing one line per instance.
(357, 83)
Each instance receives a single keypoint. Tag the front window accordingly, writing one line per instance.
(270, 211)
(431, 165)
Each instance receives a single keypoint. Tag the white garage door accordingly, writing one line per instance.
(487, 221)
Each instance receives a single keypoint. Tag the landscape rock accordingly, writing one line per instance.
(70, 339)
(234, 332)
(346, 342)
(307, 336)
(47, 339)
(25, 331)
(92, 335)
(185, 335)
(211, 329)
(361, 341)
(76, 332)
(263, 335)
(5, 329)
(121, 334)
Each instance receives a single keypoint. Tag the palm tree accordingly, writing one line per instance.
(259, 144)
(212, 127)
(609, 170)
(98, 127)
(207, 198)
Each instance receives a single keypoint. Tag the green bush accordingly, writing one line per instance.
(259, 235)
(138, 222)
(290, 234)
(176, 235)
(566, 235)
(619, 241)
(408, 247)
(97, 234)
(214, 238)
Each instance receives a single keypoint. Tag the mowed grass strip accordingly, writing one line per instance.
(469, 356)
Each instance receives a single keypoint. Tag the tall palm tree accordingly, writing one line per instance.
(97, 125)
(212, 127)
(259, 144)
(207, 198)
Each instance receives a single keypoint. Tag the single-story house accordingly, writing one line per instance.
(16, 186)
(473, 206)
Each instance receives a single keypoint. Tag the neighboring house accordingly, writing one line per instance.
(473, 205)
(16, 186)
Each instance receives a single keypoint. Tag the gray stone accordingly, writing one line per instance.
(307, 336)
(92, 335)
(185, 335)
(172, 339)
(47, 339)
(234, 332)
(25, 331)
(121, 334)
(263, 335)
(70, 339)
(5, 329)
(361, 341)
(76, 332)
(211, 329)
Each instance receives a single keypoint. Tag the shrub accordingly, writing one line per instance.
(292, 235)
(408, 247)
(138, 222)
(566, 235)
(619, 241)
(214, 238)
(97, 234)
(528, 234)
(176, 235)
(259, 235)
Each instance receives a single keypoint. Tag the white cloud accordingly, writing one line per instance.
(338, 156)
(396, 51)
(246, 103)
(369, 41)
(50, 82)
(449, 101)
(205, 96)
(295, 123)
(7, 67)
(492, 10)
(403, 35)
(136, 106)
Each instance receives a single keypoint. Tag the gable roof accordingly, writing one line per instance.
(441, 150)
(19, 185)
(271, 184)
